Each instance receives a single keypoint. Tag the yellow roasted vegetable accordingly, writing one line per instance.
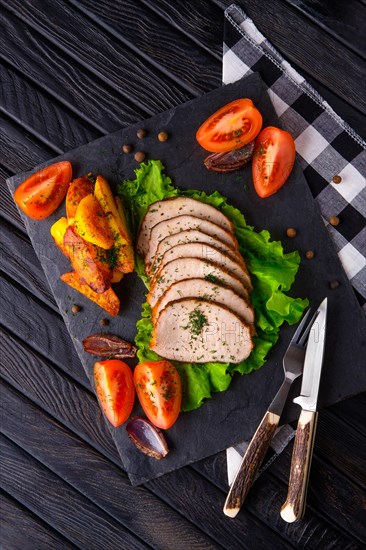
(79, 188)
(58, 231)
(118, 225)
(91, 224)
(107, 300)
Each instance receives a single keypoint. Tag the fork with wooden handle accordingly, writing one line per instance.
(258, 446)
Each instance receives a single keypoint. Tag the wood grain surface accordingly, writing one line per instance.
(72, 71)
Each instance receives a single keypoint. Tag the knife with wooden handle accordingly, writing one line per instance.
(294, 507)
(250, 463)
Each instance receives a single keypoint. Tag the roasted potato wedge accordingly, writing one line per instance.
(117, 276)
(91, 224)
(118, 225)
(58, 231)
(106, 300)
(79, 188)
(90, 262)
(123, 256)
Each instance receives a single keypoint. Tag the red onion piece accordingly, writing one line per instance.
(147, 438)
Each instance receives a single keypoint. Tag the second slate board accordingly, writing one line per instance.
(230, 417)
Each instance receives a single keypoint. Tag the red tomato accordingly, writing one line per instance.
(231, 127)
(42, 193)
(273, 160)
(159, 390)
(115, 389)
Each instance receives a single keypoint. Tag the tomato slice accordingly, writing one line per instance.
(159, 390)
(231, 127)
(42, 193)
(115, 389)
(273, 160)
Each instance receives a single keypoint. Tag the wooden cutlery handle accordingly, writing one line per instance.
(294, 507)
(250, 464)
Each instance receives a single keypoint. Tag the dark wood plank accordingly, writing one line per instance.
(8, 209)
(30, 531)
(29, 320)
(56, 393)
(63, 79)
(19, 261)
(201, 21)
(138, 509)
(149, 37)
(344, 21)
(265, 500)
(351, 411)
(98, 55)
(40, 381)
(282, 27)
(34, 110)
(57, 503)
(19, 150)
(331, 495)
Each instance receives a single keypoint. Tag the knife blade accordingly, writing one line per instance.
(294, 507)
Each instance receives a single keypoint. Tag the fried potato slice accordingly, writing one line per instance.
(91, 223)
(79, 188)
(107, 300)
(117, 223)
(58, 231)
(90, 262)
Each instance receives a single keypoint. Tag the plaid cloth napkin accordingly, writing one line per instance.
(331, 154)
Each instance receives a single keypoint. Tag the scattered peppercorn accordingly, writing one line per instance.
(334, 220)
(309, 254)
(127, 148)
(291, 232)
(104, 322)
(141, 133)
(163, 136)
(139, 156)
(334, 284)
(75, 308)
(337, 179)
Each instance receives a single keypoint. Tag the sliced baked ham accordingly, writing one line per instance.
(179, 224)
(200, 288)
(205, 252)
(191, 236)
(193, 268)
(177, 206)
(200, 331)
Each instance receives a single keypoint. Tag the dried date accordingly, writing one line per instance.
(230, 161)
(108, 345)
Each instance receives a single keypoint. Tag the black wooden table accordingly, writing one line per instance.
(74, 70)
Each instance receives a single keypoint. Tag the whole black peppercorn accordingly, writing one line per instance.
(141, 133)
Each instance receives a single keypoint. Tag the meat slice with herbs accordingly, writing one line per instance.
(191, 236)
(207, 290)
(173, 226)
(206, 252)
(178, 206)
(200, 331)
(193, 268)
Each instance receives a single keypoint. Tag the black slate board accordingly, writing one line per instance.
(232, 416)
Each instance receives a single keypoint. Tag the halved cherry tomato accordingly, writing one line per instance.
(159, 390)
(42, 193)
(231, 127)
(273, 160)
(115, 389)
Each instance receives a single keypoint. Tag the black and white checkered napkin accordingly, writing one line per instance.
(326, 147)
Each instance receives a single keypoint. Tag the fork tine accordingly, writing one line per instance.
(296, 335)
(305, 334)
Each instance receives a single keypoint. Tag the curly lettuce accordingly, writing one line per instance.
(272, 271)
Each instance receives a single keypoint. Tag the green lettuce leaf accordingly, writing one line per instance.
(272, 271)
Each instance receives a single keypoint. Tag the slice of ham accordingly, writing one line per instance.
(179, 224)
(200, 288)
(200, 331)
(178, 206)
(191, 236)
(193, 268)
(206, 252)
